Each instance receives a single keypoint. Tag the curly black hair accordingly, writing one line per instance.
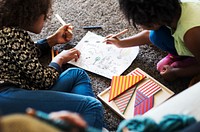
(22, 13)
(149, 12)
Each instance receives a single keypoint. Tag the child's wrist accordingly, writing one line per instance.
(51, 41)
(59, 60)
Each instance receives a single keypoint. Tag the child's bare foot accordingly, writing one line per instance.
(168, 73)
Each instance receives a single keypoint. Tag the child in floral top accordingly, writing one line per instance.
(24, 81)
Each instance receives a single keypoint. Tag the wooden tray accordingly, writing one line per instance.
(159, 97)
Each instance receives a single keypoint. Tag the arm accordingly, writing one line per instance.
(71, 117)
(61, 36)
(31, 72)
(136, 40)
(60, 59)
(43, 46)
(65, 120)
(192, 42)
(65, 56)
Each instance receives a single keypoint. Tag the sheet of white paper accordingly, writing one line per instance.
(103, 59)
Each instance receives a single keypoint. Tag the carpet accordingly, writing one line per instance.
(106, 14)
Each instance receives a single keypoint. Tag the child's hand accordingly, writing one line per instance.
(112, 40)
(67, 55)
(62, 35)
(73, 118)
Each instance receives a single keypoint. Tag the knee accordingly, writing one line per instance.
(95, 112)
(75, 69)
(155, 37)
(95, 104)
(162, 39)
(78, 71)
(152, 37)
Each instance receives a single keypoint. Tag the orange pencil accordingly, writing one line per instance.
(52, 53)
(56, 52)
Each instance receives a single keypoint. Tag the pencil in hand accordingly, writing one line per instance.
(116, 35)
(62, 22)
(120, 33)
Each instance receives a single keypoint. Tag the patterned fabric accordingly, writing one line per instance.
(19, 63)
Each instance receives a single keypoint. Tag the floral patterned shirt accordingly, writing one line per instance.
(19, 61)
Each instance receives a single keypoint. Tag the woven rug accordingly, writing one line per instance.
(106, 14)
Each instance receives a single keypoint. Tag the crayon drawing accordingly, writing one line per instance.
(103, 59)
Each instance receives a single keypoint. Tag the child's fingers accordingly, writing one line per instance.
(70, 27)
(111, 40)
(75, 52)
(76, 55)
(165, 69)
(108, 42)
(68, 24)
(67, 35)
(69, 116)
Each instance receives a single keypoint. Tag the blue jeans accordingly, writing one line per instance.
(71, 92)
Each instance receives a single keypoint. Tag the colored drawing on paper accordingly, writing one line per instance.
(103, 59)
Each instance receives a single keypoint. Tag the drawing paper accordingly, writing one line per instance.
(103, 59)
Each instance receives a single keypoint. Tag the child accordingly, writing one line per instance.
(170, 25)
(43, 123)
(24, 81)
